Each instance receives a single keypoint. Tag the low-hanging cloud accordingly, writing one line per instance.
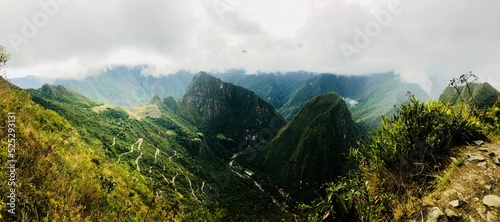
(423, 41)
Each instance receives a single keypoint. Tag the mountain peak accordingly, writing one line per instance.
(309, 151)
(232, 110)
(483, 94)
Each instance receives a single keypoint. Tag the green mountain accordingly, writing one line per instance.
(128, 87)
(483, 94)
(231, 112)
(58, 176)
(309, 151)
(175, 164)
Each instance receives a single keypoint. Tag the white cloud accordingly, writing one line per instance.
(425, 41)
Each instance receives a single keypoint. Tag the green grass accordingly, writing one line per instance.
(184, 151)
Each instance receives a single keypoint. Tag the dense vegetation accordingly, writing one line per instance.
(398, 164)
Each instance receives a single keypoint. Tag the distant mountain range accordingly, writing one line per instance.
(368, 96)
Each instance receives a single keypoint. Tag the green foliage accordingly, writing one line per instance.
(491, 118)
(59, 177)
(412, 143)
(397, 161)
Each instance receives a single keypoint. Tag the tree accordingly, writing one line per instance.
(4, 57)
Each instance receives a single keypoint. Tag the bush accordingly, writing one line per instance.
(491, 119)
(411, 144)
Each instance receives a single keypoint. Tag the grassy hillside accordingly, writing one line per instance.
(59, 177)
(173, 157)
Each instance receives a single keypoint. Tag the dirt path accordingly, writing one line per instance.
(139, 142)
(157, 152)
(114, 138)
(175, 155)
(469, 183)
(173, 180)
(242, 175)
(137, 162)
(202, 189)
(192, 190)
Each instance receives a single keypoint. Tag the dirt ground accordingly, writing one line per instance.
(476, 177)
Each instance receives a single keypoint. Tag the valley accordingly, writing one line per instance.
(222, 152)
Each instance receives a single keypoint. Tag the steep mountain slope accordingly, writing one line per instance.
(128, 86)
(236, 113)
(58, 177)
(310, 150)
(174, 157)
(483, 94)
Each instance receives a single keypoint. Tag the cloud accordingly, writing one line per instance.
(424, 41)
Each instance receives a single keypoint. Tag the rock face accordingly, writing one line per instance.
(491, 201)
(234, 111)
(310, 150)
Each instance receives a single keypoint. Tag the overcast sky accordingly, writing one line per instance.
(420, 40)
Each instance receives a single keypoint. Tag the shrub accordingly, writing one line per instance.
(411, 144)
